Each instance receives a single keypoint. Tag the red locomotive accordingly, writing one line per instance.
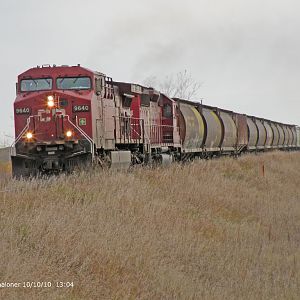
(71, 116)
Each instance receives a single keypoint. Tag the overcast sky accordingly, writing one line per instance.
(246, 53)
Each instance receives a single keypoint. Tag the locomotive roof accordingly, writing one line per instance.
(46, 70)
(128, 85)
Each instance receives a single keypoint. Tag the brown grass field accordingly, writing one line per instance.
(208, 230)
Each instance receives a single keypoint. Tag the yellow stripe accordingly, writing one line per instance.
(216, 117)
(200, 121)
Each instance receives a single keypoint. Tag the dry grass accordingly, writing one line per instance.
(209, 230)
(5, 168)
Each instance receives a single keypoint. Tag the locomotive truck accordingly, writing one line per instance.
(69, 116)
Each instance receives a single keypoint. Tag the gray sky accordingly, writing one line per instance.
(245, 52)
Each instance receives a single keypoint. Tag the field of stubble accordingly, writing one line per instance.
(208, 230)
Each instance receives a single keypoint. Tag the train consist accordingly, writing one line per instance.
(67, 117)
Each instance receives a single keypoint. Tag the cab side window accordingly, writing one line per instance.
(167, 111)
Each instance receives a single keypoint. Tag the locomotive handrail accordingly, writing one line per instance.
(84, 134)
(133, 127)
(155, 132)
(22, 132)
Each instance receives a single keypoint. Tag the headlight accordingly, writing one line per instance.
(69, 133)
(50, 102)
(29, 135)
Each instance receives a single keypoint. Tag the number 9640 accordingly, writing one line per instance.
(80, 108)
(23, 111)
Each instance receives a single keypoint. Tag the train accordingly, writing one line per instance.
(69, 117)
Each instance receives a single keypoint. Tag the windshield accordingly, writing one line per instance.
(30, 85)
(73, 83)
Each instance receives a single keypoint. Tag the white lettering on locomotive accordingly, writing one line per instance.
(58, 112)
(81, 108)
(23, 111)
(44, 115)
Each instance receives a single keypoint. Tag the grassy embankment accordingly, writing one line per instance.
(209, 230)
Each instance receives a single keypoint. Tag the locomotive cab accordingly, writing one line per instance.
(53, 126)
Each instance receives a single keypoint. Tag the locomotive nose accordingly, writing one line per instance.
(50, 121)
